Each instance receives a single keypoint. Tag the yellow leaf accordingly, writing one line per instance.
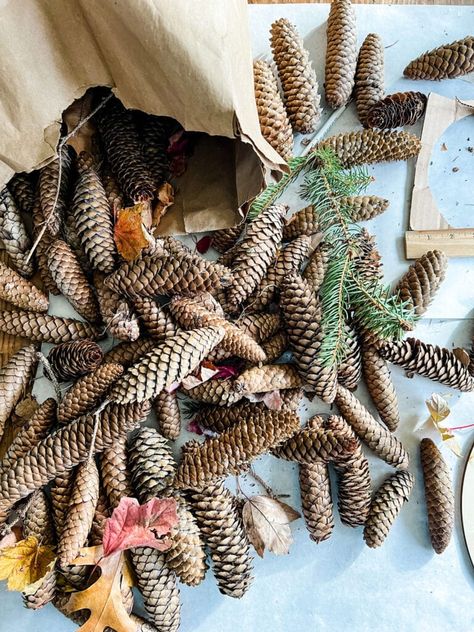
(438, 407)
(130, 231)
(165, 196)
(25, 563)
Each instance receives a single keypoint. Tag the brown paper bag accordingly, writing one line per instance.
(188, 59)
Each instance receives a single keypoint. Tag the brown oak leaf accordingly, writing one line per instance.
(130, 231)
(267, 523)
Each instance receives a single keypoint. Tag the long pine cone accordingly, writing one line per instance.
(42, 250)
(315, 443)
(13, 234)
(315, 271)
(224, 239)
(364, 207)
(22, 187)
(349, 370)
(45, 328)
(266, 378)
(341, 53)
(167, 413)
(71, 360)
(445, 62)
(380, 386)
(369, 78)
(128, 353)
(115, 473)
(303, 222)
(154, 135)
(15, 377)
(151, 464)
(218, 392)
(51, 179)
(421, 281)
(260, 326)
(397, 110)
(116, 313)
(19, 292)
(275, 346)
(155, 319)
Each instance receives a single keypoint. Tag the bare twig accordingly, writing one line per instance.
(96, 427)
(50, 374)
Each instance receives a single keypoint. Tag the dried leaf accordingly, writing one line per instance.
(103, 598)
(26, 408)
(438, 408)
(179, 150)
(132, 524)
(205, 374)
(11, 538)
(439, 412)
(193, 426)
(25, 563)
(130, 233)
(165, 197)
(203, 244)
(267, 523)
(273, 400)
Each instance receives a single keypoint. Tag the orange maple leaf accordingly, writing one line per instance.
(130, 231)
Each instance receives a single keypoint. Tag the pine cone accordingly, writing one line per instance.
(70, 360)
(274, 123)
(420, 283)
(115, 474)
(386, 506)
(154, 135)
(93, 218)
(13, 235)
(157, 584)
(20, 292)
(297, 76)
(353, 478)
(224, 239)
(53, 204)
(229, 452)
(82, 503)
(151, 463)
(364, 207)
(221, 528)
(436, 363)
(303, 222)
(341, 53)
(71, 280)
(369, 77)
(276, 346)
(371, 146)
(155, 319)
(14, 379)
(314, 443)
(218, 392)
(369, 261)
(446, 62)
(256, 251)
(45, 328)
(34, 431)
(112, 189)
(349, 370)
(260, 326)
(266, 378)
(22, 188)
(186, 556)
(315, 271)
(101, 514)
(60, 494)
(124, 152)
(73, 240)
(42, 249)
(115, 311)
(397, 110)
(302, 313)
(439, 495)
(380, 386)
(167, 413)
(88, 392)
(128, 353)
(65, 448)
(380, 440)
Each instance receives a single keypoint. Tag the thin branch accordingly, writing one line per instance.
(50, 374)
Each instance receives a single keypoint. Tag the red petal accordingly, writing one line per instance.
(203, 244)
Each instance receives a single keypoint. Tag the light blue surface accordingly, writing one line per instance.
(341, 584)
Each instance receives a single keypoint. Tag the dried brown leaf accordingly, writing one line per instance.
(165, 197)
(130, 232)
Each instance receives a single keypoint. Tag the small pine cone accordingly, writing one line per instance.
(386, 506)
(224, 239)
(82, 503)
(124, 152)
(88, 392)
(128, 353)
(274, 123)
(20, 292)
(157, 585)
(151, 464)
(70, 360)
(291, 398)
(276, 346)
(436, 363)
(380, 440)
(93, 218)
(71, 280)
(21, 186)
(154, 134)
(439, 495)
(302, 313)
(260, 326)
(35, 429)
(187, 310)
(50, 177)
(371, 146)
(446, 62)
(221, 528)
(397, 110)
(364, 207)
(101, 514)
(45, 328)
(369, 77)
(229, 452)
(112, 189)
(167, 413)
(116, 313)
(315, 271)
(341, 53)
(218, 392)
(421, 281)
(380, 386)
(266, 378)
(186, 556)
(155, 319)
(303, 222)
(13, 235)
(353, 478)
(297, 76)
(369, 261)
(115, 474)
(349, 370)
(15, 377)
(168, 363)
(256, 251)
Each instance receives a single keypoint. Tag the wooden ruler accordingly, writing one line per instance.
(454, 242)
